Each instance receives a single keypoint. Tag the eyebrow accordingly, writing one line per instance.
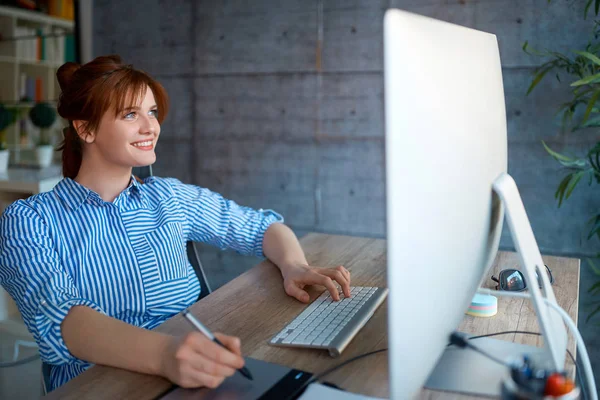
(137, 108)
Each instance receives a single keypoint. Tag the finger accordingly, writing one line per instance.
(201, 344)
(208, 380)
(203, 364)
(345, 272)
(297, 293)
(339, 277)
(193, 378)
(320, 279)
(234, 344)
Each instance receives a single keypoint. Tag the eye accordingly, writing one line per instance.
(130, 115)
(154, 113)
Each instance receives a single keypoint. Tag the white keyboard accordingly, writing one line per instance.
(329, 324)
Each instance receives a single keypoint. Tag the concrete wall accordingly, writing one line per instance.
(279, 104)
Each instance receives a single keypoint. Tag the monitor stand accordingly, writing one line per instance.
(466, 371)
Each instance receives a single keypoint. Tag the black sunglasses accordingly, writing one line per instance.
(514, 281)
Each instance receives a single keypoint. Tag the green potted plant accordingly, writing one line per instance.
(42, 116)
(582, 111)
(6, 119)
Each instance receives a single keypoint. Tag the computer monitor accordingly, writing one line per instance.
(446, 148)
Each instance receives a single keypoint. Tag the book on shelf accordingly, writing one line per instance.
(61, 9)
(64, 9)
(30, 88)
(57, 46)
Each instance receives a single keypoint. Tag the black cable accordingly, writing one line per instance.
(505, 333)
(461, 340)
(330, 370)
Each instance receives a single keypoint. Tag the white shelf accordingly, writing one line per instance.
(37, 63)
(22, 72)
(28, 104)
(30, 180)
(34, 16)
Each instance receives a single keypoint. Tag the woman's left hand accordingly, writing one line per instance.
(296, 277)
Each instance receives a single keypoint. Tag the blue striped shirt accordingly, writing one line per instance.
(126, 259)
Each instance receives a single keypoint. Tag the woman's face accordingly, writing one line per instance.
(130, 139)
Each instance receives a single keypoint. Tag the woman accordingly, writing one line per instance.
(100, 260)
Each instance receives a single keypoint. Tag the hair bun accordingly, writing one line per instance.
(65, 74)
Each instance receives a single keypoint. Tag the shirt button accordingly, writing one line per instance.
(44, 302)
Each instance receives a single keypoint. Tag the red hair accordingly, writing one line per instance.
(89, 91)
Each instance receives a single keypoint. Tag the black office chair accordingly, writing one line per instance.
(193, 257)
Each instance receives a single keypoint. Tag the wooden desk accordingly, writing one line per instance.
(255, 307)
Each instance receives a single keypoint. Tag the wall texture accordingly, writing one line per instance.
(279, 104)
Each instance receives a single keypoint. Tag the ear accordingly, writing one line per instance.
(82, 131)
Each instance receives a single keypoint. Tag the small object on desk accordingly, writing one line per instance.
(319, 391)
(483, 305)
(271, 382)
(198, 325)
(527, 381)
(331, 325)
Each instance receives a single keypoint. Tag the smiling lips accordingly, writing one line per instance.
(143, 145)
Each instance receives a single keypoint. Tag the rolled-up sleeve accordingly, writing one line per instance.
(32, 273)
(210, 218)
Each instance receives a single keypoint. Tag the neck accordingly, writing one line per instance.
(109, 183)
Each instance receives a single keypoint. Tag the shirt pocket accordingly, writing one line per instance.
(168, 246)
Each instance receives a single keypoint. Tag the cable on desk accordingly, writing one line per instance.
(330, 370)
(315, 378)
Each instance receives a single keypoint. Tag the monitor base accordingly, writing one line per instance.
(466, 371)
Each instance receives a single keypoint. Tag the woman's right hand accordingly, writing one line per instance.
(195, 361)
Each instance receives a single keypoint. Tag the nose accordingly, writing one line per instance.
(147, 126)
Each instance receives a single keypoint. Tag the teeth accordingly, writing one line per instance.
(143, 144)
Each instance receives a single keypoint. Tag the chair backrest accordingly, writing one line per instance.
(45, 378)
(194, 258)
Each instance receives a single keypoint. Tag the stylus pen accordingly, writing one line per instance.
(198, 325)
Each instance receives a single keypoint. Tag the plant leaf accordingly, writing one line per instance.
(587, 80)
(564, 160)
(590, 106)
(539, 76)
(589, 56)
(532, 52)
(594, 287)
(594, 122)
(596, 311)
(557, 156)
(573, 182)
(593, 265)
(560, 191)
(594, 231)
(587, 7)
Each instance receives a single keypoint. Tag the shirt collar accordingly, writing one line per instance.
(74, 194)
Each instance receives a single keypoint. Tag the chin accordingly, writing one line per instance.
(146, 161)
